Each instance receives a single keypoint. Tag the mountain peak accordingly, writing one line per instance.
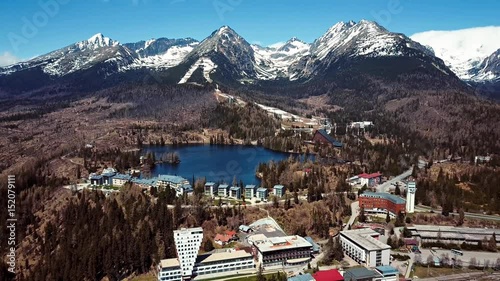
(97, 41)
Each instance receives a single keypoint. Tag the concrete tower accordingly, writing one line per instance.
(187, 243)
(410, 197)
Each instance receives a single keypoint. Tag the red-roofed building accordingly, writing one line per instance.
(223, 239)
(370, 179)
(328, 275)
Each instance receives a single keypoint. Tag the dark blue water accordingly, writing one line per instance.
(216, 162)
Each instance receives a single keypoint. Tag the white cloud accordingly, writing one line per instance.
(7, 59)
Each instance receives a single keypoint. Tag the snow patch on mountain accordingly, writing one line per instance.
(463, 50)
(172, 57)
(274, 62)
(206, 64)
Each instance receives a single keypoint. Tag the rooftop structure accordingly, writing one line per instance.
(431, 233)
(323, 137)
(363, 246)
(360, 273)
(302, 277)
(286, 250)
(328, 275)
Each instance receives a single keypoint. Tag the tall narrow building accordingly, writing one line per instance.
(410, 197)
(188, 243)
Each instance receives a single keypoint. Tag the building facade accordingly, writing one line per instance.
(235, 192)
(210, 188)
(321, 136)
(370, 180)
(410, 197)
(381, 202)
(279, 190)
(281, 251)
(250, 191)
(187, 244)
(169, 270)
(121, 179)
(262, 193)
(222, 190)
(224, 262)
(363, 246)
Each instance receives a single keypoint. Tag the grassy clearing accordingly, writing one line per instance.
(424, 272)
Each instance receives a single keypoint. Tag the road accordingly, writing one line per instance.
(384, 187)
(422, 208)
(354, 214)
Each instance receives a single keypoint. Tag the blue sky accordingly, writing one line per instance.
(34, 27)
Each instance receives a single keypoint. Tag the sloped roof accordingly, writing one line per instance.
(323, 133)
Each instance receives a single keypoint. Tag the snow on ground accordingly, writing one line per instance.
(207, 65)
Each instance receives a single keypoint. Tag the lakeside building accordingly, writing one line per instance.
(172, 181)
(121, 179)
(235, 192)
(250, 191)
(279, 190)
(222, 190)
(189, 264)
(262, 193)
(363, 246)
(381, 202)
(281, 251)
(452, 234)
(323, 137)
(210, 188)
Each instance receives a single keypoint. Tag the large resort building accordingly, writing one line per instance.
(189, 264)
(363, 246)
(381, 202)
(281, 251)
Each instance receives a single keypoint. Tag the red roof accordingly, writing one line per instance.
(223, 238)
(230, 233)
(370, 176)
(328, 275)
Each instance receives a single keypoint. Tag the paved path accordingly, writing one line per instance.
(422, 208)
(354, 214)
(384, 187)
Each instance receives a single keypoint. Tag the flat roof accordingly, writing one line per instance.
(386, 270)
(169, 263)
(361, 272)
(384, 195)
(222, 186)
(226, 255)
(363, 237)
(279, 186)
(209, 183)
(302, 277)
(282, 243)
(188, 230)
(235, 188)
(249, 186)
(261, 189)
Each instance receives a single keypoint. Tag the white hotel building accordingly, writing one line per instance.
(363, 246)
(189, 264)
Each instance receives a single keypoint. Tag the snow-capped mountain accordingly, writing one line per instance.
(227, 58)
(79, 56)
(467, 52)
(364, 39)
(161, 53)
(224, 48)
(276, 61)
